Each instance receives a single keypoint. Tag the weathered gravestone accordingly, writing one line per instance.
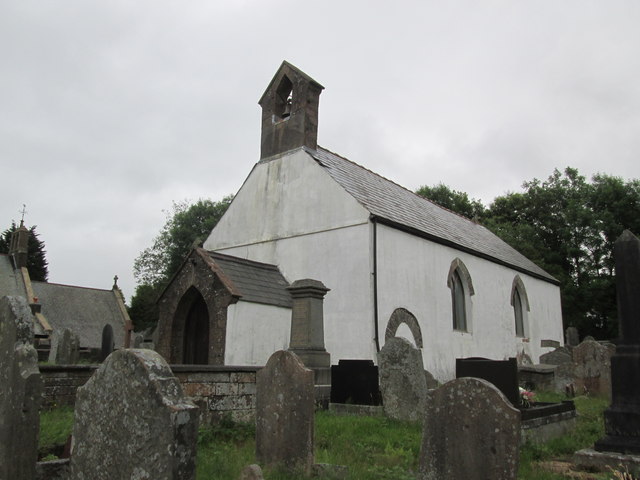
(132, 420)
(402, 380)
(572, 338)
(20, 391)
(284, 413)
(471, 432)
(65, 347)
(622, 418)
(251, 472)
(559, 356)
(592, 368)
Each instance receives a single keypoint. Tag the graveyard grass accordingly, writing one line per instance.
(55, 428)
(373, 448)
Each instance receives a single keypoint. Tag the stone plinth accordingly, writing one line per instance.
(307, 323)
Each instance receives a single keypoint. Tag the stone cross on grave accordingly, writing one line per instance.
(622, 418)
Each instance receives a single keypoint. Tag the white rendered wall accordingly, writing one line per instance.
(291, 213)
(339, 259)
(266, 326)
(285, 197)
(412, 273)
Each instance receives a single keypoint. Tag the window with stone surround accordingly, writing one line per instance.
(459, 282)
(520, 304)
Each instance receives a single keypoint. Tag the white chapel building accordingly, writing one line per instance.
(395, 263)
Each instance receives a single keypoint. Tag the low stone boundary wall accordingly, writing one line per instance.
(61, 382)
(219, 391)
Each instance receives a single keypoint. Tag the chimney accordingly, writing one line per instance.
(19, 248)
(289, 112)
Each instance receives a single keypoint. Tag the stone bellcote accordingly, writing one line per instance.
(289, 112)
(19, 247)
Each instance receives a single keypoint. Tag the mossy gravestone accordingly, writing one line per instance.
(20, 391)
(133, 421)
(65, 347)
(284, 413)
(402, 380)
(471, 432)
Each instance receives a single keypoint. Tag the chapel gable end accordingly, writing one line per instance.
(289, 112)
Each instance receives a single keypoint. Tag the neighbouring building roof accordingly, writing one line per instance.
(10, 281)
(84, 311)
(401, 208)
(256, 282)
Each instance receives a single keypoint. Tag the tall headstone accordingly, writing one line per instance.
(572, 338)
(20, 391)
(132, 420)
(285, 413)
(108, 343)
(307, 323)
(471, 431)
(65, 346)
(592, 368)
(622, 418)
(402, 380)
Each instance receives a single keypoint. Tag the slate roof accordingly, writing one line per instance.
(256, 282)
(85, 311)
(403, 209)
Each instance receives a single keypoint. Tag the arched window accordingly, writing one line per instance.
(458, 302)
(520, 304)
(459, 281)
(517, 312)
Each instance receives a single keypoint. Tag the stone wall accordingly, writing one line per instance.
(61, 382)
(218, 390)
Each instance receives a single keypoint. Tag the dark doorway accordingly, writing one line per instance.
(196, 334)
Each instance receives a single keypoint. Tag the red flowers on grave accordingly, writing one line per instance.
(526, 397)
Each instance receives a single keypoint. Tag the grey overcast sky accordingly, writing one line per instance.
(112, 110)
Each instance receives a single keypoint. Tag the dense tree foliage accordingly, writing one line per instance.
(567, 226)
(186, 225)
(453, 200)
(37, 263)
(143, 310)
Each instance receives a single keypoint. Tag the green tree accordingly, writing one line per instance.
(453, 200)
(37, 263)
(143, 310)
(567, 226)
(186, 225)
